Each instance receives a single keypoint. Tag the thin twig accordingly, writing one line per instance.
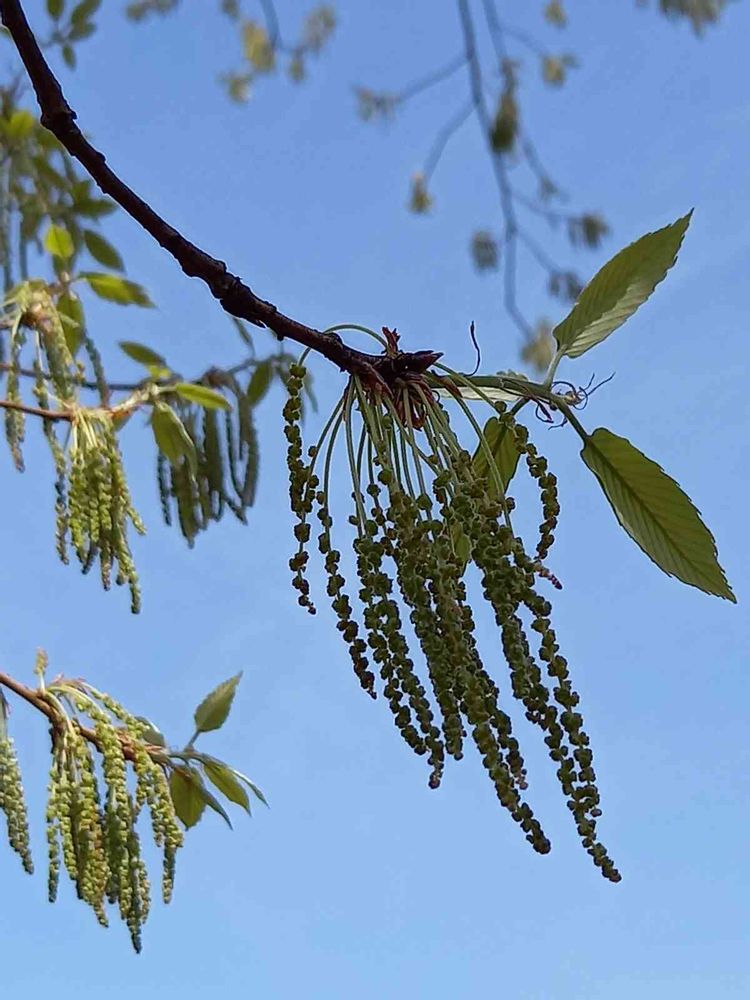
(235, 297)
(36, 411)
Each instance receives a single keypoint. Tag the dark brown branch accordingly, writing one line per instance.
(235, 297)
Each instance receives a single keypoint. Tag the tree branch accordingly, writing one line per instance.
(35, 411)
(235, 297)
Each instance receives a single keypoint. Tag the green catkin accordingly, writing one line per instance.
(411, 541)
(15, 422)
(99, 507)
(13, 803)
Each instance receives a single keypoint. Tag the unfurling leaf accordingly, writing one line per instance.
(171, 436)
(420, 200)
(257, 47)
(59, 242)
(223, 777)
(656, 513)
(114, 288)
(505, 125)
(554, 12)
(142, 354)
(210, 399)
(213, 710)
(619, 289)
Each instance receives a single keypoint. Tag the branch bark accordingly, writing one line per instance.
(235, 297)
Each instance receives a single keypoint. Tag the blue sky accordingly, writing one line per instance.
(359, 881)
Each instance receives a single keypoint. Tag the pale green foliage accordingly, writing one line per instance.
(655, 512)
(109, 768)
(619, 288)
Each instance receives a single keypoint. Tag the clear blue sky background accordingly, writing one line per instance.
(359, 881)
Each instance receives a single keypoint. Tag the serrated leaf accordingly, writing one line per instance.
(656, 513)
(102, 250)
(502, 444)
(620, 288)
(189, 803)
(213, 711)
(202, 395)
(114, 288)
(142, 354)
(171, 436)
(223, 777)
(259, 383)
(59, 242)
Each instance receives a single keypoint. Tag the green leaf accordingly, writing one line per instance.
(151, 734)
(202, 395)
(655, 512)
(619, 288)
(171, 437)
(251, 785)
(102, 250)
(223, 777)
(185, 789)
(59, 242)
(114, 288)
(20, 125)
(69, 56)
(259, 383)
(502, 444)
(70, 310)
(142, 354)
(55, 8)
(213, 711)
(83, 11)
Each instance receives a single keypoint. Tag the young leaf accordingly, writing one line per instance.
(655, 512)
(171, 437)
(504, 451)
(59, 242)
(202, 395)
(223, 777)
(102, 250)
(259, 383)
(213, 710)
(142, 354)
(251, 785)
(20, 124)
(70, 310)
(113, 288)
(619, 288)
(151, 734)
(189, 803)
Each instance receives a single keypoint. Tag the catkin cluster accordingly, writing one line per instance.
(93, 508)
(223, 475)
(419, 513)
(13, 803)
(93, 808)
